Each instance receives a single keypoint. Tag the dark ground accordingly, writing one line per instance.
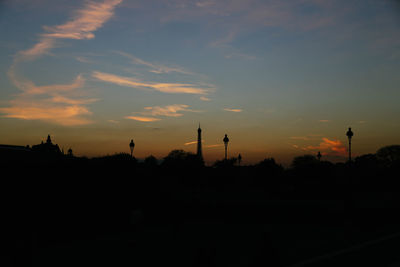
(123, 214)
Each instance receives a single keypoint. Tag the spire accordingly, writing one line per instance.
(48, 139)
(199, 150)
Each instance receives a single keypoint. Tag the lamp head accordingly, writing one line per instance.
(226, 139)
(349, 133)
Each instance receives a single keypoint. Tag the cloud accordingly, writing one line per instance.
(324, 120)
(154, 67)
(28, 87)
(306, 138)
(326, 146)
(203, 98)
(46, 110)
(233, 19)
(51, 103)
(233, 109)
(40, 48)
(83, 59)
(215, 145)
(150, 113)
(55, 103)
(331, 147)
(85, 21)
(71, 101)
(190, 143)
(171, 88)
(168, 111)
(143, 119)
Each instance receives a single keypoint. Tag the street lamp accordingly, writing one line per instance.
(349, 136)
(131, 146)
(226, 141)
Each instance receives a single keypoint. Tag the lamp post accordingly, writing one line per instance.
(226, 141)
(131, 146)
(349, 136)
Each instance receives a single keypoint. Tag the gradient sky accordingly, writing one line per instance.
(281, 78)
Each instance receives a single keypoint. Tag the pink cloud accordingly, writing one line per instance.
(172, 88)
(233, 110)
(45, 110)
(190, 143)
(327, 146)
(85, 21)
(53, 103)
(142, 119)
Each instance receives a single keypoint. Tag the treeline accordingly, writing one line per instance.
(60, 198)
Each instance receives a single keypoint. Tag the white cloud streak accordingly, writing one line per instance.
(53, 103)
(190, 143)
(172, 88)
(237, 110)
(154, 67)
(142, 119)
(168, 111)
(150, 114)
(85, 21)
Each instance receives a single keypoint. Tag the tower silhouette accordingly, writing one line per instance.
(199, 151)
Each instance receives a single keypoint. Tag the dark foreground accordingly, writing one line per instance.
(123, 214)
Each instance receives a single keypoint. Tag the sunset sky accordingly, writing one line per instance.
(281, 78)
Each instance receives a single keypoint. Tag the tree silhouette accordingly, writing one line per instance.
(304, 161)
(151, 162)
(225, 163)
(181, 159)
(367, 161)
(389, 155)
(269, 165)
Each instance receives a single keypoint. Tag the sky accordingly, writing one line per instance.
(280, 78)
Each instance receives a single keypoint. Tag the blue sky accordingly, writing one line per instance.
(281, 78)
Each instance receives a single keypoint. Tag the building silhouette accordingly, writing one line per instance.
(47, 148)
(199, 150)
(11, 153)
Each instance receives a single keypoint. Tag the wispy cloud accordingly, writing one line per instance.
(142, 119)
(168, 111)
(190, 143)
(324, 121)
(85, 21)
(83, 59)
(233, 109)
(154, 67)
(28, 87)
(215, 145)
(203, 98)
(172, 88)
(57, 103)
(327, 147)
(47, 110)
(234, 18)
(151, 113)
(42, 47)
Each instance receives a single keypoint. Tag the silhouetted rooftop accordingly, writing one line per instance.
(12, 147)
